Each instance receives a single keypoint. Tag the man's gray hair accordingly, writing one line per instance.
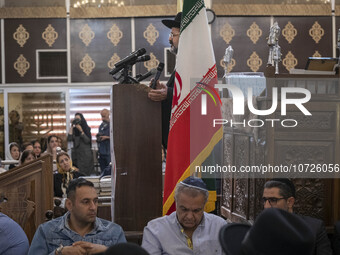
(191, 191)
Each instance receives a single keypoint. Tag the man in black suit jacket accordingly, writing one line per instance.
(280, 193)
(164, 92)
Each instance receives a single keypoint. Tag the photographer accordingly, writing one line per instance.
(80, 134)
(103, 140)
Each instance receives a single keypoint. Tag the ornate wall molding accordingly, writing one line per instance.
(254, 32)
(50, 35)
(151, 34)
(21, 35)
(86, 34)
(21, 65)
(254, 62)
(316, 32)
(168, 10)
(152, 63)
(115, 34)
(32, 12)
(87, 64)
(289, 32)
(124, 11)
(273, 9)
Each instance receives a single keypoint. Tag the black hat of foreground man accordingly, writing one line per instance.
(125, 249)
(170, 23)
(275, 231)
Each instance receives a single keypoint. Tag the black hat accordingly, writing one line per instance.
(173, 23)
(126, 249)
(231, 236)
(275, 231)
(194, 182)
(288, 182)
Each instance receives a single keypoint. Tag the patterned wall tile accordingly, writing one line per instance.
(152, 35)
(299, 44)
(34, 40)
(96, 44)
(247, 36)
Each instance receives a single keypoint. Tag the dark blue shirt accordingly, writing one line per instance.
(104, 146)
(13, 239)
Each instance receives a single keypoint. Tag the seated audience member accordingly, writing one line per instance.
(189, 230)
(13, 240)
(125, 249)
(36, 148)
(66, 173)
(79, 231)
(12, 153)
(280, 193)
(27, 146)
(275, 232)
(27, 156)
(52, 145)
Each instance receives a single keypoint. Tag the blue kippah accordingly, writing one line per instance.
(194, 182)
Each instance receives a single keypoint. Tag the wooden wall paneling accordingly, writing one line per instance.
(314, 141)
(243, 46)
(35, 28)
(152, 35)
(29, 190)
(98, 46)
(301, 27)
(227, 181)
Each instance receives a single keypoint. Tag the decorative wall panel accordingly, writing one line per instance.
(247, 36)
(99, 43)
(312, 34)
(152, 35)
(25, 43)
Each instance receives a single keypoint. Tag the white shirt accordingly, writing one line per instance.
(163, 236)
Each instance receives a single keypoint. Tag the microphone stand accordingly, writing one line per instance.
(124, 77)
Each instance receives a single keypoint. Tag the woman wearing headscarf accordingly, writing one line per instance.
(12, 153)
(27, 156)
(66, 173)
(80, 134)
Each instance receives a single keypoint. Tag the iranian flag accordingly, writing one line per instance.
(192, 138)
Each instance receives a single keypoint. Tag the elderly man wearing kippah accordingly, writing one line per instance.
(189, 230)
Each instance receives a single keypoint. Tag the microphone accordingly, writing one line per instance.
(143, 58)
(129, 60)
(146, 75)
(158, 74)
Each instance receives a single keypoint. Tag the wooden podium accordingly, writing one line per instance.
(137, 138)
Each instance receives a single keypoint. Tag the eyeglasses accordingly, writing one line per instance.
(272, 200)
(172, 35)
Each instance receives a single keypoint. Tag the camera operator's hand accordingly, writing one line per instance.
(79, 128)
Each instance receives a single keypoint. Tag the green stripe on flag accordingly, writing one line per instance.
(190, 9)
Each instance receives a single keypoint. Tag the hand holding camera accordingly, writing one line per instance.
(76, 123)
